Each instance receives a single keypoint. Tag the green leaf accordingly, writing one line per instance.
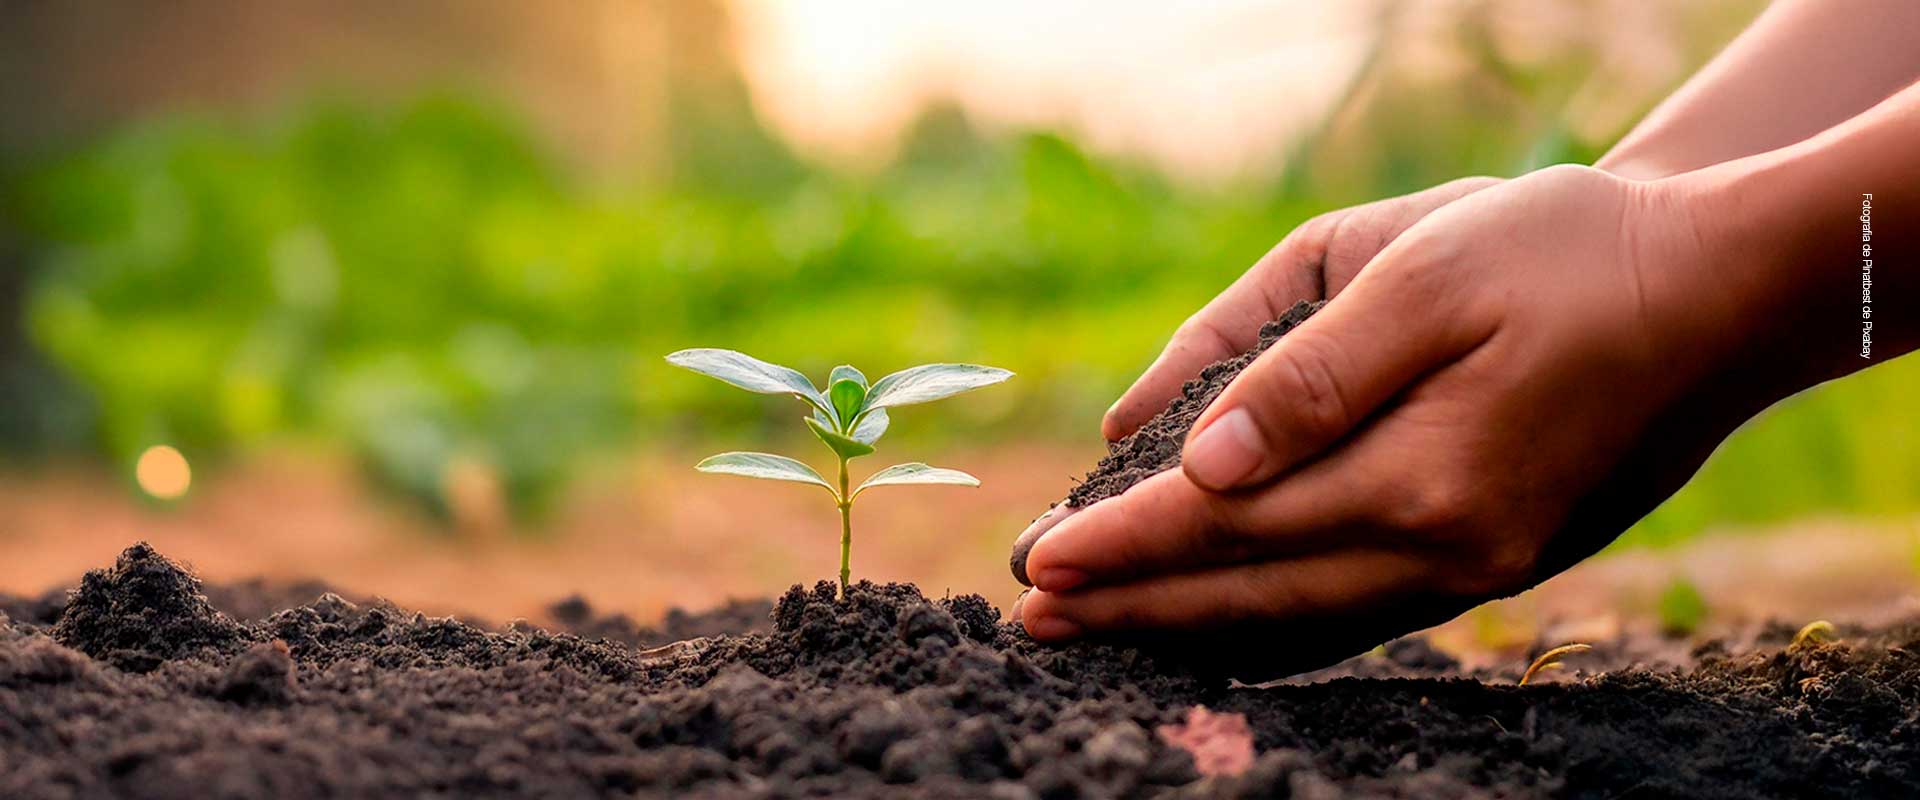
(931, 382)
(847, 396)
(764, 465)
(749, 373)
(871, 426)
(845, 446)
(916, 473)
(845, 372)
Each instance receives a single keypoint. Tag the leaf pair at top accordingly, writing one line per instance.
(851, 414)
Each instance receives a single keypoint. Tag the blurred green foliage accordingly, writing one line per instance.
(1681, 608)
(427, 286)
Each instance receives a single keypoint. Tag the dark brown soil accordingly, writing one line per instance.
(575, 615)
(1156, 446)
(139, 686)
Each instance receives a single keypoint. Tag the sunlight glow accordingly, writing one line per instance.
(1207, 90)
(163, 472)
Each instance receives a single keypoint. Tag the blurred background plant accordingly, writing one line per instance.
(453, 240)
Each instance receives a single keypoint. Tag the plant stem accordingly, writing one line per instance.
(846, 529)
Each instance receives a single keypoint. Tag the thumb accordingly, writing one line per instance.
(1322, 380)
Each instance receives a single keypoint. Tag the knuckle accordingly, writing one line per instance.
(1183, 335)
(1502, 567)
(1354, 238)
(1309, 390)
(1299, 259)
(1230, 527)
(1455, 519)
(1317, 231)
(1420, 272)
(1437, 507)
(1264, 593)
(1197, 333)
(1471, 183)
(1191, 326)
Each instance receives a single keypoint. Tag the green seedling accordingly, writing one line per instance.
(848, 417)
(1816, 633)
(1551, 660)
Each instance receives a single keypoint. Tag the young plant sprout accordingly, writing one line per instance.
(1551, 660)
(1816, 633)
(848, 417)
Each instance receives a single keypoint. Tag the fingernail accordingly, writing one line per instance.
(1108, 427)
(1051, 628)
(1024, 544)
(1058, 579)
(1014, 614)
(1226, 452)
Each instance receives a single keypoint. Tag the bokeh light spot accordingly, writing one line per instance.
(163, 472)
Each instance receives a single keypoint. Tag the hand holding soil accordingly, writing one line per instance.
(1512, 376)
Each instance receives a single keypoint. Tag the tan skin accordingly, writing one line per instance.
(1510, 374)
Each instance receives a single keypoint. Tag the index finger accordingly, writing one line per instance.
(1226, 326)
(1314, 262)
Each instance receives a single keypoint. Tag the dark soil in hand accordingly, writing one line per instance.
(138, 685)
(1156, 446)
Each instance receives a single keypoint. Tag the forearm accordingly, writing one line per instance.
(1817, 245)
(1802, 67)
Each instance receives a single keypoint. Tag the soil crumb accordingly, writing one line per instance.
(1156, 446)
(887, 694)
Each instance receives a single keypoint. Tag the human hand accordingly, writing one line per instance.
(1314, 262)
(1506, 386)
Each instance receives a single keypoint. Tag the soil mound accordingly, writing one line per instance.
(144, 611)
(1156, 446)
(888, 693)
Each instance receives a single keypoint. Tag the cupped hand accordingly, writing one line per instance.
(1314, 262)
(1505, 386)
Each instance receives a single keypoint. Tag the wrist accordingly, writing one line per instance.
(1775, 271)
(1719, 288)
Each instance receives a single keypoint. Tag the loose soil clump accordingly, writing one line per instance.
(1156, 446)
(143, 687)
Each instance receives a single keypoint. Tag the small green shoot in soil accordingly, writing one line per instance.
(1816, 633)
(1551, 660)
(848, 417)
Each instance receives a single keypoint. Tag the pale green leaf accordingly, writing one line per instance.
(764, 465)
(916, 473)
(931, 382)
(846, 372)
(749, 373)
(871, 426)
